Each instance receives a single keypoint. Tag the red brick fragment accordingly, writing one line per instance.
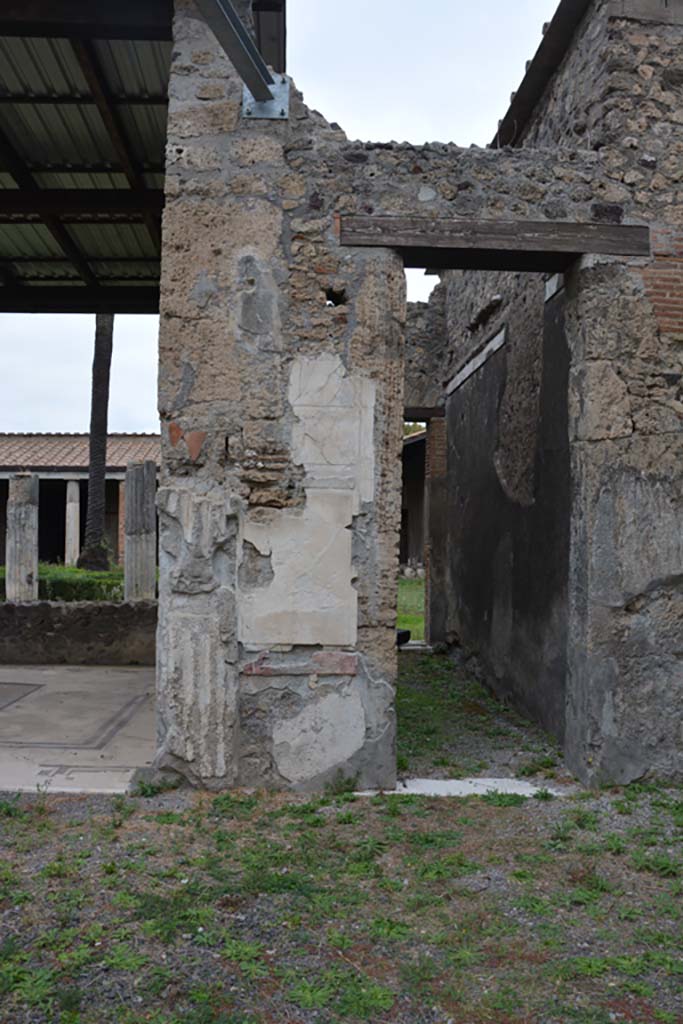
(175, 432)
(194, 441)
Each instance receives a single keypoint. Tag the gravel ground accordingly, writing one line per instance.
(178, 907)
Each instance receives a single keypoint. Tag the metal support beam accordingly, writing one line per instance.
(78, 299)
(270, 20)
(86, 56)
(47, 100)
(12, 162)
(105, 168)
(226, 25)
(103, 19)
(74, 201)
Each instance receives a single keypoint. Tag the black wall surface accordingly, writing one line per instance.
(412, 503)
(51, 520)
(508, 562)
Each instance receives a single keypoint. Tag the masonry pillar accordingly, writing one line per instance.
(436, 532)
(121, 530)
(21, 555)
(625, 674)
(140, 539)
(72, 539)
(281, 405)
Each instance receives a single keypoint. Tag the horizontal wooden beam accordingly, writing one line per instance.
(79, 299)
(103, 19)
(438, 260)
(444, 243)
(421, 413)
(75, 201)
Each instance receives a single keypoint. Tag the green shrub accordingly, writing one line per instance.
(67, 583)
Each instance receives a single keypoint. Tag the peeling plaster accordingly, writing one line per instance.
(311, 598)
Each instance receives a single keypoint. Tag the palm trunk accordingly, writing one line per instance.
(95, 554)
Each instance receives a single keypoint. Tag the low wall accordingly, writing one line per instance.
(78, 633)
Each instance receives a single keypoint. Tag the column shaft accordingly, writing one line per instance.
(21, 579)
(72, 540)
(140, 542)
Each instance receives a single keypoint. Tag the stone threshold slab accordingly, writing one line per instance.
(470, 787)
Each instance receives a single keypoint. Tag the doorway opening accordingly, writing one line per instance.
(411, 584)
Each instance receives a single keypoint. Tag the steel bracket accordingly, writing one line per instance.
(276, 109)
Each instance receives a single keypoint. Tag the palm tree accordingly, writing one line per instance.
(95, 554)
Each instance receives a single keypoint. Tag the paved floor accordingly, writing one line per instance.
(68, 729)
(74, 729)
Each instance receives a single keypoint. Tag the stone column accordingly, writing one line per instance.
(436, 532)
(121, 531)
(72, 540)
(141, 538)
(21, 554)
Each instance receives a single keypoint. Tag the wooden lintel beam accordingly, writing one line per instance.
(103, 19)
(419, 414)
(76, 201)
(528, 238)
(91, 69)
(79, 299)
(439, 260)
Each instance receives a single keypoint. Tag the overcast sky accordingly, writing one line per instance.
(384, 69)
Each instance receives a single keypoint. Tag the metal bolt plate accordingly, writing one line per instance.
(276, 109)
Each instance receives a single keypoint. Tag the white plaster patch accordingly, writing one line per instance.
(310, 599)
(469, 787)
(333, 435)
(326, 733)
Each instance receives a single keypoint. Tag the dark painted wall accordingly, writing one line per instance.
(4, 492)
(412, 503)
(508, 559)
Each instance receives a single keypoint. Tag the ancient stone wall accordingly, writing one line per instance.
(625, 328)
(281, 393)
(611, 578)
(78, 633)
(424, 333)
(508, 491)
(281, 400)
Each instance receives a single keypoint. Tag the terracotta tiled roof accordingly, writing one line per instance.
(70, 451)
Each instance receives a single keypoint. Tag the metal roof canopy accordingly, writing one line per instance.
(83, 99)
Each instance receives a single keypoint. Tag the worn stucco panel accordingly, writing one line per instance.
(310, 599)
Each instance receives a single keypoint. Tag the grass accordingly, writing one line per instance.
(177, 907)
(411, 607)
